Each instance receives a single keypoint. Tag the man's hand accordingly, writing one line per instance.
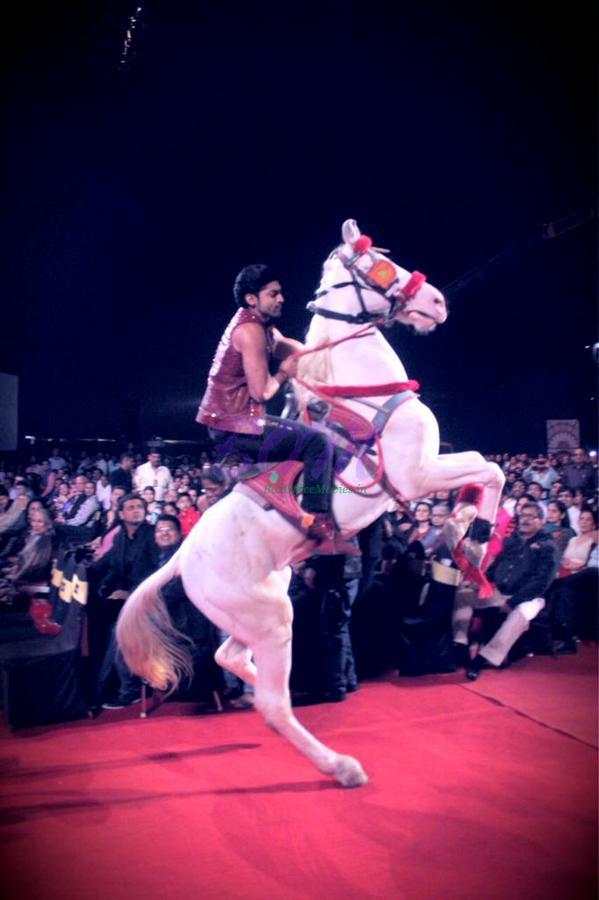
(289, 366)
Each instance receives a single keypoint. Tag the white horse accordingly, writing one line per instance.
(235, 562)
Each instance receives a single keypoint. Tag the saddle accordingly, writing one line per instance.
(279, 485)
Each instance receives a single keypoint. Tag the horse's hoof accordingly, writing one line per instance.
(349, 772)
(457, 525)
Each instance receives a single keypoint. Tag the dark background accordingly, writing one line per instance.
(243, 132)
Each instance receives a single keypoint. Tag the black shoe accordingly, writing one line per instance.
(334, 696)
(460, 656)
(475, 666)
(121, 704)
(352, 686)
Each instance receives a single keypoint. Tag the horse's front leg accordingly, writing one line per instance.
(477, 504)
(271, 698)
(456, 470)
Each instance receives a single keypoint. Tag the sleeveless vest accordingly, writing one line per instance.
(226, 404)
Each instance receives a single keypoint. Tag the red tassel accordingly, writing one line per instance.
(471, 494)
(485, 588)
(363, 244)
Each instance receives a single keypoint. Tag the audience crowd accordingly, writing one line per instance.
(403, 604)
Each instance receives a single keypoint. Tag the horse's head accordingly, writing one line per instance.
(379, 287)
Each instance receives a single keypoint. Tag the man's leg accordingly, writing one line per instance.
(466, 601)
(517, 622)
(283, 440)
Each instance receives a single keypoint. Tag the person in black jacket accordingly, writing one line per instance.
(521, 575)
(121, 476)
(132, 557)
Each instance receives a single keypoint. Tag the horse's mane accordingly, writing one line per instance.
(315, 368)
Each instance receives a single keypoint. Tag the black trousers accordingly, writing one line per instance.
(281, 440)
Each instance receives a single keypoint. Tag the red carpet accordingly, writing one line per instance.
(484, 790)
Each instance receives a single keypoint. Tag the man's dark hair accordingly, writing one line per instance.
(126, 497)
(536, 508)
(171, 520)
(251, 280)
(216, 475)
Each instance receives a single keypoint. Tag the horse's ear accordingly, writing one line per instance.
(350, 231)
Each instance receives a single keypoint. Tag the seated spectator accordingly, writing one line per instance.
(215, 485)
(131, 559)
(61, 495)
(13, 523)
(153, 508)
(557, 525)
(432, 541)
(566, 495)
(540, 472)
(518, 490)
(521, 576)
(56, 460)
(188, 516)
(422, 523)
(574, 599)
(48, 480)
(112, 516)
(103, 491)
(34, 561)
(535, 492)
(579, 473)
(75, 524)
(578, 549)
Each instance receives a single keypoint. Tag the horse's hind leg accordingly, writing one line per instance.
(237, 658)
(271, 698)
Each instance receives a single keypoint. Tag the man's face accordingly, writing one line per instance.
(566, 497)
(535, 489)
(518, 489)
(38, 522)
(529, 522)
(166, 535)
(154, 459)
(89, 489)
(440, 515)
(212, 490)
(183, 503)
(148, 495)
(133, 512)
(79, 484)
(579, 455)
(268, 302)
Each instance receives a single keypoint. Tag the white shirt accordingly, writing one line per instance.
(147, 476)
(103, 492)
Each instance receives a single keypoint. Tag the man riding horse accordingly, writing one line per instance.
(239, 385)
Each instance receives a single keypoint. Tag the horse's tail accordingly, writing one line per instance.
(151, 645)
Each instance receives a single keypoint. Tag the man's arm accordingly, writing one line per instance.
(249, 340)
(284, 346)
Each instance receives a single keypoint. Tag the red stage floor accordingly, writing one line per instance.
(478, 791)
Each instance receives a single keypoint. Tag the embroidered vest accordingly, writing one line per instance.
(226, 404)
